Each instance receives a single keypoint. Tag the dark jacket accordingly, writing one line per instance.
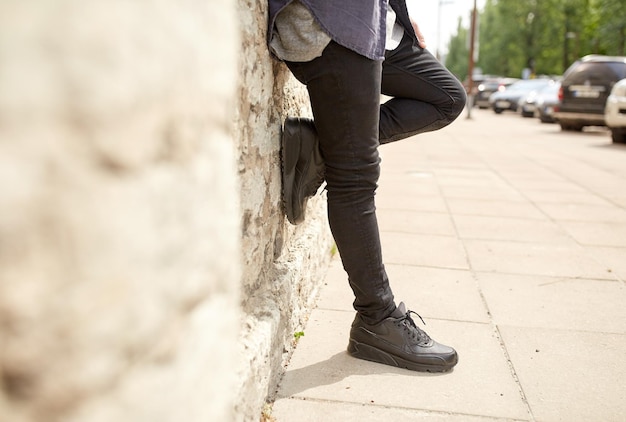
(356, 24)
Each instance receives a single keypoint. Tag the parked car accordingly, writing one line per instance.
(509, 98)
(489, 86)
(546, 101)
(615, 112)
(527, 104)
(585, 88)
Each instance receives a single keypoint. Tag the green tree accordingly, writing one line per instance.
(544, 35)
(577, 18)
(457, 59)
(609, 21)
(509, 38)
(489, 60)
(547, 48)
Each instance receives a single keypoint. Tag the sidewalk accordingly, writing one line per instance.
(508, 237)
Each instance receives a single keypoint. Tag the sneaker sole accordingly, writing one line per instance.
(372, 354)
(288, 168)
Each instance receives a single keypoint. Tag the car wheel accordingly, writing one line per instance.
(528, 114)
(497, 110)
(618, 136)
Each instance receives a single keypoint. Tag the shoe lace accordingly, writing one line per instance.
(412, 329)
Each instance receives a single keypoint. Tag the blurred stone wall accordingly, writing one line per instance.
(147, 272)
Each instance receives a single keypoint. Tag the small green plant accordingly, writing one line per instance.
(333, 250)
(298, 334)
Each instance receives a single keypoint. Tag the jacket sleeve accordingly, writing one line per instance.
(402, 14)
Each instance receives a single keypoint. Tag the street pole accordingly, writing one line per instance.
(470, 70)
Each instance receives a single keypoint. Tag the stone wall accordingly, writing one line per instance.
(284, 265)
(147, 272)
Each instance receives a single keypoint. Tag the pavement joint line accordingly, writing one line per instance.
(425, 316)
(575, 278)
(418, 234)
(429, 266)
(505, 352)
(492, 323)
(512, 369)
(422, 410)
(562, 330)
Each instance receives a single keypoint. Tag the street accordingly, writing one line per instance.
(508, 237)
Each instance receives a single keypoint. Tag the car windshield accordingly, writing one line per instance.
(597, 72)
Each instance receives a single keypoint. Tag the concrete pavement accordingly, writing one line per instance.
(508, 237)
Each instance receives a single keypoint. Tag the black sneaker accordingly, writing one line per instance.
(397, 341)
(302, 166)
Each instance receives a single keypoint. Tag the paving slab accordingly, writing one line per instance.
(554, 184)
(597, 233)
(397, 201)
(618, 198)
(438, 292)
(418, 222)
(414, 183)
(569, 375)
(423, 250)
(498, 208)
(482, 192)
(584, 212)
(508, 228)
(551, 197)
(470, 178)
(613, 258)
(555, 302)
(564, 260)
(336, 293)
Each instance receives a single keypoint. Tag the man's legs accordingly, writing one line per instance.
(344, 88)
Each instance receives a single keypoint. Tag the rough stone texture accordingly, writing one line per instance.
(119, 215)
(283, 264)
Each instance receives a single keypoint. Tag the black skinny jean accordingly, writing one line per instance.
(344, 88)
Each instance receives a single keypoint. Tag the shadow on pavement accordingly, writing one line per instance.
(334, 370)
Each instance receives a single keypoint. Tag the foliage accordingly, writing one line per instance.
(458, 53)
(610, 22)
(543, 36)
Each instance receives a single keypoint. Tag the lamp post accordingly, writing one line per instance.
(470, 69)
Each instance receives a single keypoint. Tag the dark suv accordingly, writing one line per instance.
(585, 88)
